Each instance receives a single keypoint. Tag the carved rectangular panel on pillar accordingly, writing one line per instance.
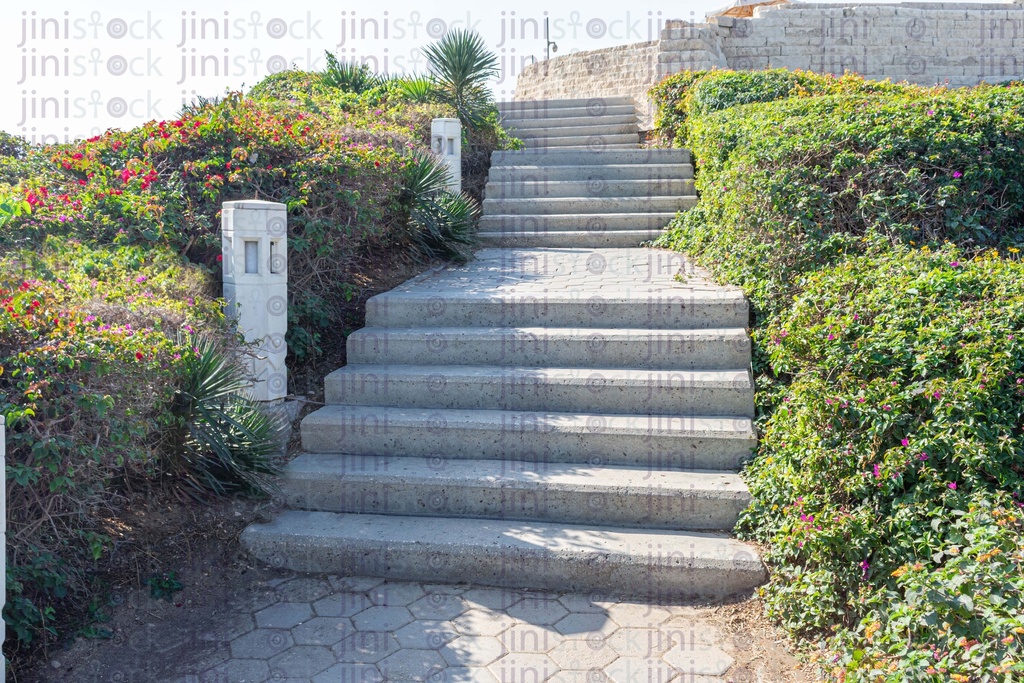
(255, 253)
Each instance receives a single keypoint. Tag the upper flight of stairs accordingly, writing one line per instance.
(568, 418)
(582, 178)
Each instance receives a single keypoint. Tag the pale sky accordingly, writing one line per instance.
(77, 68)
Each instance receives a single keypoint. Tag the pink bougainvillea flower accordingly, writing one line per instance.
(952, 485)
(905, 442)
(958, 174)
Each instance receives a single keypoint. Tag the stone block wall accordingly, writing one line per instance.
(927, 43)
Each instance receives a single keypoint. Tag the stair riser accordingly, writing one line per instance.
(525, 111)
(586, 205)
(667, 575)
(657, 393)
(590, 188)
(592, 223)
(594, 142)
(610, 173)
(520, 125)
(578, 131)
(659, 311)
(654, 508)
(566, 240)
(654, 350)
(555, 157)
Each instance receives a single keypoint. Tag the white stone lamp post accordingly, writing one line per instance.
(446, 143)
(255, 260)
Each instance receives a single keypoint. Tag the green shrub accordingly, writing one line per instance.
(348, 76)
(877, 230)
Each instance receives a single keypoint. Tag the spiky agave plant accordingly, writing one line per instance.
(462, 64)
(348, 76)
(221, 440)
(442, 220)
(418, 89)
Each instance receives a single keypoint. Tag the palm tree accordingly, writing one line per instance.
(462, 65)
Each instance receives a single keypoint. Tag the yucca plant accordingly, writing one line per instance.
(420, 89)
(221, 440)
(442, 220)
(348, 76)
(462, 65)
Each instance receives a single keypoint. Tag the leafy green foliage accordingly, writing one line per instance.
(164, 586)
(877, 230)
(419, 89)
(443, 219)
(462, 64)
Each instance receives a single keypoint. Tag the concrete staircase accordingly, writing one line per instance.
(582, 178)
(569, 418)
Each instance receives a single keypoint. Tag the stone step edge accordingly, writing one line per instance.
(634, 497)
(538, 555)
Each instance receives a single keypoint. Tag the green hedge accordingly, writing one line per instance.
(877, 230)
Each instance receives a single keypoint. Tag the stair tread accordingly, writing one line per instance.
(492, 473)
(739, 377)
(477, 535)
(605, 423)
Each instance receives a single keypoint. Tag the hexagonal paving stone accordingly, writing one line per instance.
(637, 615)
(449, 588)
(543, 609)
(462, 674)
(438, 606)
(690, 634)
(593, 653)
(381, 619)
(304, 589)
(493, 598)
(366, 647)
(578, 602)
(523, 666)
(322, 631)
(584, 623)
(253, 599)
(342, 605)
(641, 670)
(412, 665)
(301, 661)
(530, 638)
(350, 673)
(394, 594)
(284, 615)
(480, 622)
(354, 584)
(585, 676)
(260, 644)
(709, 661)
(472, 651)
(238, 671)
(639, 642)
(426, 634)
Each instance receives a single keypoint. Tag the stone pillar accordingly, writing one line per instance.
(446, 143)
(255, 253)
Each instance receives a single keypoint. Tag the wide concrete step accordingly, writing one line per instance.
(540, 113)
(589, 188)
(578, 132)
(540, 206)
(660, 565)
(654, 441)
(629, 305)
(567, 238)
(562, 347)
(610, 390)
(595, 223)
(570, 141)
(522, 125)
(609, 172)
(555, 492)
(581, 157)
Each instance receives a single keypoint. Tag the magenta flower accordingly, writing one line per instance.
(831, 337)
(955, 264)
(952, 485)
(886, 408)
(878, 471)
(922, 457)
(865, 566)
(937, 394)
(905, 442)
(931, 112)
(958, 174)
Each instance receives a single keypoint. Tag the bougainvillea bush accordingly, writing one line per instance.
(878, 235)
